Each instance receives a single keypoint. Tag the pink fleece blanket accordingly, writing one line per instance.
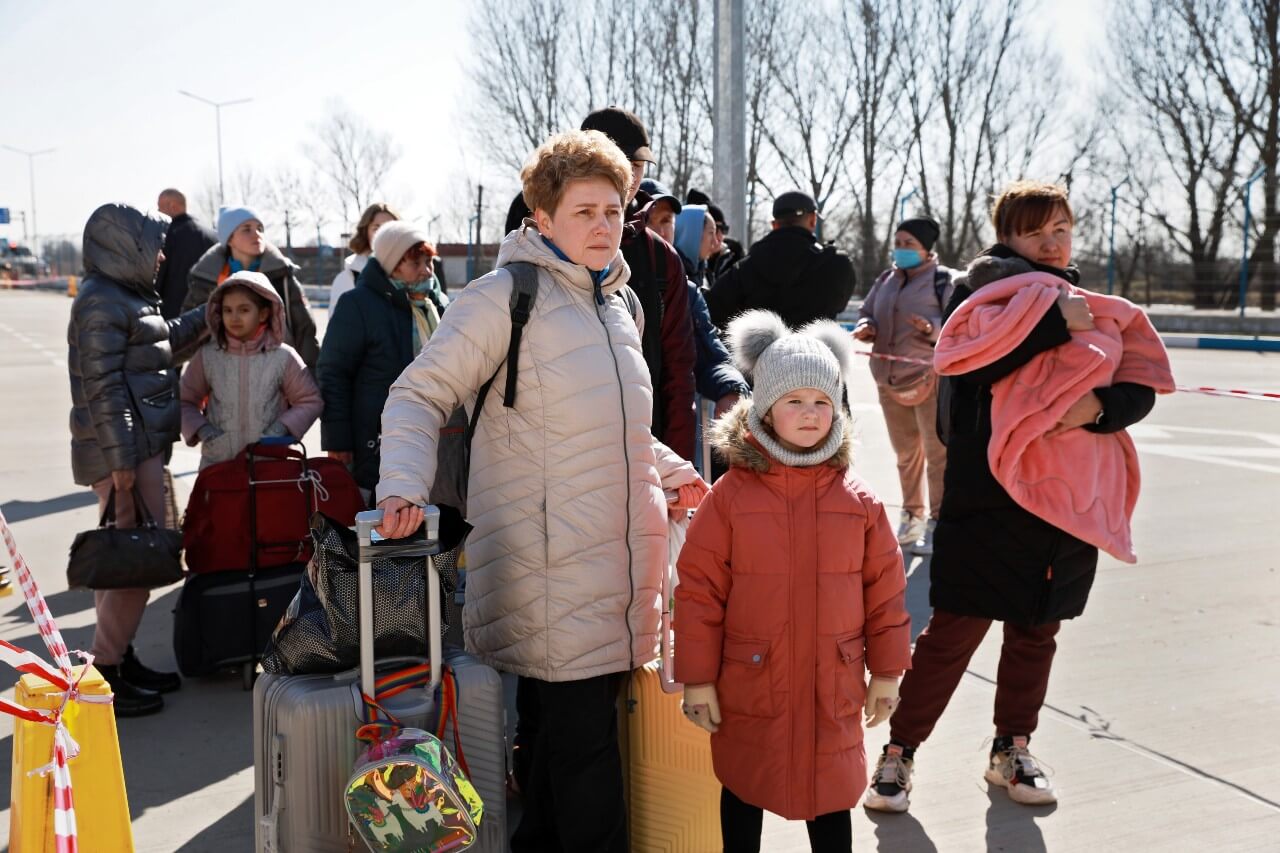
(1079, 481)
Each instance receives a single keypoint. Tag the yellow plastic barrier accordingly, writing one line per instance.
(97, 777)
(71, 286)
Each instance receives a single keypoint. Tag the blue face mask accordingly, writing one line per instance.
(905, 259)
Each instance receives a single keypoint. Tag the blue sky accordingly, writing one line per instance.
(99, 82)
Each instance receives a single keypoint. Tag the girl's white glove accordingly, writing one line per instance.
(882, 700)
(701, 706)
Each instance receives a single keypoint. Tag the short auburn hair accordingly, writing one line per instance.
(1027, 205)
(359, 242)
(571, 156)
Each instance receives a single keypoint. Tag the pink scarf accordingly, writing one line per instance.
(1079, 481)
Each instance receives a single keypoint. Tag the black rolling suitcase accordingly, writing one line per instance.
(225, 619)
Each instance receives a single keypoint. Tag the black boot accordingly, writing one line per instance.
(148, 679)
(129, 701)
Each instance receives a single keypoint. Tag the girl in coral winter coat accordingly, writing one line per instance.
(791, 591)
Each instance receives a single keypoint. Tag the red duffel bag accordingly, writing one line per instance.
(254, 511)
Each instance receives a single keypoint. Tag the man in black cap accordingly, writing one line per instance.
(901, 317)
(657, 277)
(787, 271)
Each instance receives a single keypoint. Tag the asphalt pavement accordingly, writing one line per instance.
(1161, 720)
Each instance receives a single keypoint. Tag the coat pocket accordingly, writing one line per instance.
(850, 685)
(745, 685)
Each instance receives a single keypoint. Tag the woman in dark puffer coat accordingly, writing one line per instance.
(374, 333)
(125, 413)
(1003, 558)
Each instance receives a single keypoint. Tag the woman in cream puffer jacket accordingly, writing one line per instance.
(566, 488)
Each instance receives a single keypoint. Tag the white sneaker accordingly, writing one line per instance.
(924, 545)
(910, 529)
(1015, 769)
(890, 783)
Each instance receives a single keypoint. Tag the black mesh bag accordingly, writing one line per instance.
(320, 632)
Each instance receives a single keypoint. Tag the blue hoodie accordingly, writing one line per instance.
(689, 224)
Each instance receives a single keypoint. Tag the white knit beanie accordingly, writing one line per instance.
(393, 240)
(778, 361)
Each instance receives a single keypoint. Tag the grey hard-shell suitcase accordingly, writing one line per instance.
(304, 728)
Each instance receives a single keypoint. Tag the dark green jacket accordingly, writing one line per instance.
(368, 343)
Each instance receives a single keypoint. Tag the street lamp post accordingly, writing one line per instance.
(1111, 255)
(217, 110)
(1244, 257)
(31, 176)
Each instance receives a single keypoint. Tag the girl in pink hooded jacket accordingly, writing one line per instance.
(245, 383)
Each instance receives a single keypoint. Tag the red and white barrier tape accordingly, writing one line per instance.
(65, 679)
(1236, 393)
(1230, 392)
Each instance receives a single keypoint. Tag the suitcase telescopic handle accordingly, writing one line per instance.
(370, 549)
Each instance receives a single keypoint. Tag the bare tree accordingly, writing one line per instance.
(817, 108)
(353, 158)
(684, 121)
(869, 30)
(1239, 45)
(962, 61)
(290, 199)
(205, 199)
(249, 187)
(519, 71)
(1200, 144)
(762, 37)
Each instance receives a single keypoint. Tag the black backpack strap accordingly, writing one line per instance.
(524, 293)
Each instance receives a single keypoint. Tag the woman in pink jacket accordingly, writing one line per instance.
(791, 591)
(245, 383)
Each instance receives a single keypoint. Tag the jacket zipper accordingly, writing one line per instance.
(626, 460)
(242, 440)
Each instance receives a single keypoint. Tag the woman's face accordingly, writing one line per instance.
(247, 240)
(378, 221)
(637, 175)
(1050, 244)
(662, 219)
(587, 226)
(710, 240)
(907, 240)
(414, 267)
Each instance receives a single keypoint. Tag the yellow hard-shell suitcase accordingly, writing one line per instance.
(97, 777)
(673, 795)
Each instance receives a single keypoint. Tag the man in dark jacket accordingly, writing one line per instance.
(124, 414)
(787, 271)
(185, 242)
(657, 277)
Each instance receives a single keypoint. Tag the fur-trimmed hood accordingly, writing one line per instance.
(731, 435)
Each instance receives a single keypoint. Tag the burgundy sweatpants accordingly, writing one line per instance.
(119, 611)
(940, 658)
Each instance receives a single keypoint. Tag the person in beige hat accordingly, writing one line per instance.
(374, 332)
